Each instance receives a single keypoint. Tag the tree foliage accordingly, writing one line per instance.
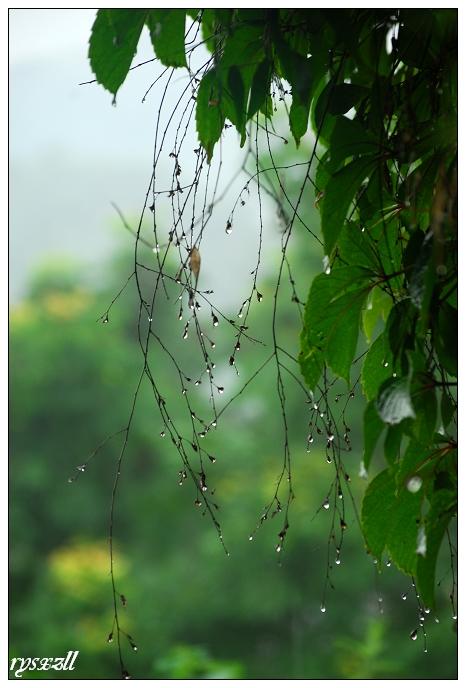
(377, 89)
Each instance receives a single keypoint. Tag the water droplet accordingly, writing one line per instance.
(322, 609)
(105, 319)
(81, 468)
(337, 561)
(427, 610)
(385, 365)
(149, 318)
(414, 484)
(110, 637)
(343, 525)
(404, 596)
(441, 270)
(259, 296)
(389, 563)
(214, 320)
(125, 674)
(278, 548)
(413, 634)
(228, 228)
(454, 617)
(162, 434)
(326, 264)
(250, 538)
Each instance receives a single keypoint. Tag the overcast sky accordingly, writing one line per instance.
(72, 153)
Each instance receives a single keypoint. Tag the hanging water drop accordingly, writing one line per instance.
(214, 320)
(81, 468)
(228, 228)
(322, 609)
(389, 563)
(413, 634)
(110, 637)
(162, 434)
(326, 504)
(259, 296)
(404, 596)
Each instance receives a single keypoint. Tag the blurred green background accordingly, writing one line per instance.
(192, 611)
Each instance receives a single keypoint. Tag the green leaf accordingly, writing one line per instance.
(373, 427)
(377, 367)
(299, 115)
(378, 308)
(394, 401)
(402, 540)
(113, 43)
(260, 87)
(392, 443)
(311, 361)
(349, 138)
(447, 409)
(331, 319)
(424, 400)
(337, 99)
(401, 325)
(301, 73)
(377, 506)
(339, 192)
(167, 29)
(209, 116)
(442, 508)
(445, 333)
(415, 459)
(237, 94)
(391, 520)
